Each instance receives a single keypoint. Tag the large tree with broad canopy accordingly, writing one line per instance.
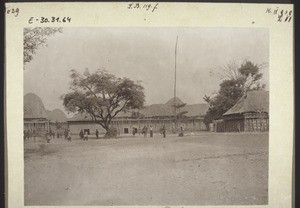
(102, 96)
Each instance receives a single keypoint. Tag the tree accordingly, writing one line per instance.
(34, 38)
(237, 81)
(102, 96)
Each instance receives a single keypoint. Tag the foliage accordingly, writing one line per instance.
(236, 82)
(102, 96)
(34, 38)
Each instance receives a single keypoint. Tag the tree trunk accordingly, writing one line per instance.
(111, 132)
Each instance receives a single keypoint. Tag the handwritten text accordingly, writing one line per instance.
(143, 6)
(49, 20)
(281, 14)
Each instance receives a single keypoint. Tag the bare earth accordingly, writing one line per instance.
(205, 169)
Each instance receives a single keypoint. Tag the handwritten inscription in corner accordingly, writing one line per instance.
(143, 6)
(12, 11)
(282, 15)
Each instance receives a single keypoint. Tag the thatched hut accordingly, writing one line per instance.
(35, 115)
(250, 113)
(57, 120)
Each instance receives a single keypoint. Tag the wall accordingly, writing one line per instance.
(127, 125)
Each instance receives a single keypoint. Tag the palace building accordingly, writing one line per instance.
(155, 115)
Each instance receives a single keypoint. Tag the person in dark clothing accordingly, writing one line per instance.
(81, 134)
(144, 131)
(66, 134)
(181, 132)
(97, 134)
(163, 131)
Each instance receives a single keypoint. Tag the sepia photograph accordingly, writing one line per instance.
(124, 116)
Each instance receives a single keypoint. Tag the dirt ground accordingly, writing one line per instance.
(204, 169)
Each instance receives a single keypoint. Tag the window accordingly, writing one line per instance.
(126, 130)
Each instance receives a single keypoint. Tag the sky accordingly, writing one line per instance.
(147, 55)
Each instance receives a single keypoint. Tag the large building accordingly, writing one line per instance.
(250, 113)
(35, 115)
(154, 115)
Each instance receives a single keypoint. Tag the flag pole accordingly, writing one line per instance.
(175, 116)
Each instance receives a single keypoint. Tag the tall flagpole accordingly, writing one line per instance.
(175, 116)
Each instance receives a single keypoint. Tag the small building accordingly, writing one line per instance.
(250, 113)
(35, 115)
(155, 115)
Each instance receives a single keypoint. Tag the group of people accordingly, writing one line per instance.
(145, 131)
(85, 136)
(30, 133)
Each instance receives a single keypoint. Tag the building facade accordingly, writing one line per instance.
(155, 115)
(250, 113)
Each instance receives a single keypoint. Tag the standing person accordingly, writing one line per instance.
(133, 131)
(69, 137)
(81, 134)
(238, 127)
(86, 136)
(97, 134)
(144, 131)
(163, 131)
(151, 131)
(28, 134)
(66, 134)
(181, 131)
(47, 136)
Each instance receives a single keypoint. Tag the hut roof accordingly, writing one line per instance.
(158, 110)
(57, 115)
(256, 100)
(34, 107)
(177, 101)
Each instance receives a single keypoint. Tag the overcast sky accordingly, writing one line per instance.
(145, 54)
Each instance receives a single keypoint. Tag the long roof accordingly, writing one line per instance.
(253, 101)
(157, 110)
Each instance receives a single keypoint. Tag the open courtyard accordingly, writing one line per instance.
(201, 169)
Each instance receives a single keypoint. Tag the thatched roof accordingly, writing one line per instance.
(176, 100)
(57, 115)
(34, 107)
(253, 101)
(158, 110)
